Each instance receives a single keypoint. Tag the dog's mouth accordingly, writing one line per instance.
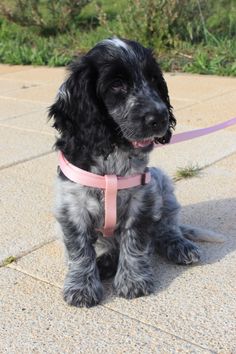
(142, 143)
(149, 141)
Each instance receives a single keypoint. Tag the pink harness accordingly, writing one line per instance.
(112, 183)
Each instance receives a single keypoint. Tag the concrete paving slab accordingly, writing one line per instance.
(179, 103)
(44, 324)
(38, 74)
(35, 122)
(46, 263)
(26, 209)
(189, 302)
(41, 170)
(214, 195)
(228, 165)
(13, 85)
(11, 107)
(213, 111)
(19, 145)
(43, 94)
(198, 87)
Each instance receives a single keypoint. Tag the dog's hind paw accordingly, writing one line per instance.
(83, 296)
(183, 252)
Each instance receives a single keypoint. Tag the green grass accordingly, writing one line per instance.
(214, 58)
(176, 47)
(8, 260)
(187, 172)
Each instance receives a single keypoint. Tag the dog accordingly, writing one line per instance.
(110, 110)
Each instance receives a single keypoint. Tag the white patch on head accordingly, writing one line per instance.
(117, 43)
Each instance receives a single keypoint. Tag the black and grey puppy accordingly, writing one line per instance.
(112, 107)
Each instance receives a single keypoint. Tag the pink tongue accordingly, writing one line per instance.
(141, 143)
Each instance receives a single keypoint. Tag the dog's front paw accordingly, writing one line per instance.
(86, 294)
(183, 252)
(131, 289)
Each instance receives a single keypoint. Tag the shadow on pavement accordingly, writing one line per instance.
(216, 215)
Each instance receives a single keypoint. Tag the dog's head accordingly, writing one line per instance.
(116, 92)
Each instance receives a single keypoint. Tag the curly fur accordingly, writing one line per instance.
(113, 96)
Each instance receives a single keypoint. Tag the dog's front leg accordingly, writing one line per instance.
(82, 285)
(134, 276)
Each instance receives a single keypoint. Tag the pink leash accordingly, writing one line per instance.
(192, 134)
(112, 183)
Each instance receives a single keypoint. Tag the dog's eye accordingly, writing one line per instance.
(119, 86)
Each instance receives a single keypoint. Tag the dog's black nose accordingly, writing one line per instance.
(157, 118)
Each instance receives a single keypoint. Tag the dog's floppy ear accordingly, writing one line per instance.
(78, 113)
(75, 102)
(163, 92)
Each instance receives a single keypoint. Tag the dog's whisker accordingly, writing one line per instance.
(129, 133)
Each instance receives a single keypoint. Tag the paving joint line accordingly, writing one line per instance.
(173, 176)
(13, 164)
(30, 82)
(112, 310)
(19, 88)
(216, 161)
(26, 253)
(26, 129)
(25, 100)
(11, 266)
(160, 329)
(221, 159)
(201, 101)
(219, 95)
(41, 110)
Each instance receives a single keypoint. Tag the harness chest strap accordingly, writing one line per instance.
(110, 183)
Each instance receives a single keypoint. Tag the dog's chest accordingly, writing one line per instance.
(86, 205)
(120, 163)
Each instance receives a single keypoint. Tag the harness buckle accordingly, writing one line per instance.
(144, 178)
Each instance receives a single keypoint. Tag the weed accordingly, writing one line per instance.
(187, 172)
(49, 17)
(8, 260)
